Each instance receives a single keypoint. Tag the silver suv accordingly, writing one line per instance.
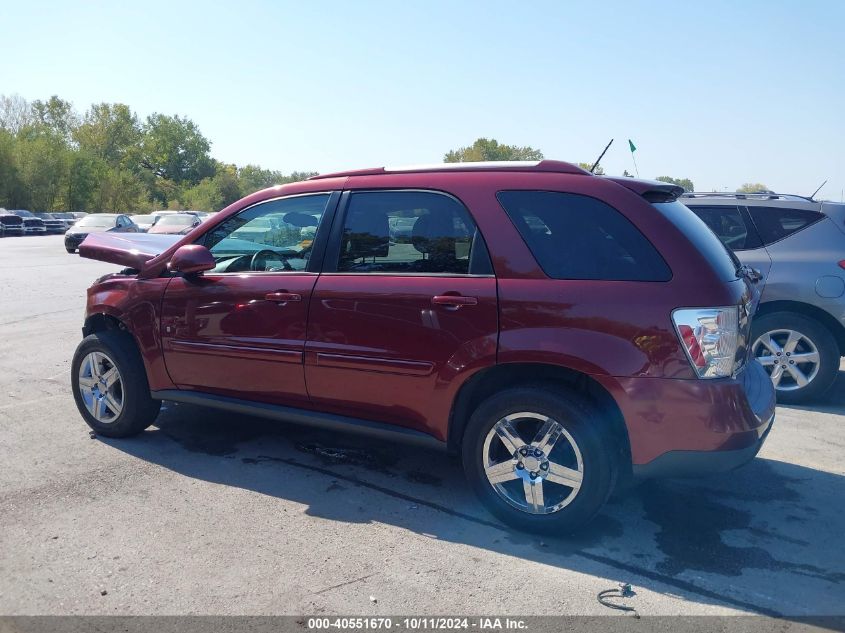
(798, 245)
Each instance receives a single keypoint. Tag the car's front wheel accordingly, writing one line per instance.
(538, 459)
(799, 353)
(110, 385)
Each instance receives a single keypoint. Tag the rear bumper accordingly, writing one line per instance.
(681, 428)
(700, 463)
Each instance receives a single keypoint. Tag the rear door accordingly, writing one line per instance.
(405, 307)
(239, 330)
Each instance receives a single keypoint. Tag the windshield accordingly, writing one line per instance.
(176, 220)
(23, 214)
(62, 216)
(724, 261)
(96, 220)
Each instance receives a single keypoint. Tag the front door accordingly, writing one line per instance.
(405, 308)
(239, 329)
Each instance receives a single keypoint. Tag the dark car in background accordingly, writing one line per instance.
(97, 223)
(67, 218)
(559, 330)
(32, 224)
(52, 224)
(12, 224)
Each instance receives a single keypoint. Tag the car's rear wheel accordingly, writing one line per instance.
(799, 353)
(110, 385)
(538, 460)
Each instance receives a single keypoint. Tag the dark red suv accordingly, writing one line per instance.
(563, 332)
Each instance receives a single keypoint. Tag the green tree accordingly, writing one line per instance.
(490, 149)
(599, 169)
(686, 183)
(752, 187)
(42, 164)
(82, 180)
(120, 191)
(173, 148)
(110, 132)
(56, 116)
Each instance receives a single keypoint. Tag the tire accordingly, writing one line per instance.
(815, 335)
(581, 424)
(130, 392)
(70, 250)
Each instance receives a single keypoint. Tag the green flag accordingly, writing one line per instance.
(633, 147)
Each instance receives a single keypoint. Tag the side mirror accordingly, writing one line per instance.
(192, 259)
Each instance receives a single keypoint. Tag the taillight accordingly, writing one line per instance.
(710, 337)
(842, 264)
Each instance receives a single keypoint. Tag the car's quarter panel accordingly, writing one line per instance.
(805, 268)
(670, 415)
(230, 334)
(378, 348)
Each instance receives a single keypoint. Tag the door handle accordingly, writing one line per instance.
(282, 297)
(453, 301)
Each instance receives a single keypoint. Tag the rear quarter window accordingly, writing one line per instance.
(577, 237)
(702, 238)
(774, 224)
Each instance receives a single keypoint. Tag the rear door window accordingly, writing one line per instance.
(577, 237)
(410, 232)
(729, 223)
(775, 223)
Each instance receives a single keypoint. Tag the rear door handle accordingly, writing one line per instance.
(282, 297)
(453, 301)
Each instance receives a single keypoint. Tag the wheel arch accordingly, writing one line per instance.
(806, 309)
(101, 321)
(489, 381)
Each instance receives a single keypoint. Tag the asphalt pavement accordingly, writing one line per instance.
(215, 513)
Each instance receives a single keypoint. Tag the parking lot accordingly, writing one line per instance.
(210, 512)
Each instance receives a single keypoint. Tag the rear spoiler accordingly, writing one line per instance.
(651, 190)
(836, 212)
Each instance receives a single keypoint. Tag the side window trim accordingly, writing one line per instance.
(321, 237)
(331, 257)
(751, 227)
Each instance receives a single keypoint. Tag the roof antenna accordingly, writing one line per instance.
(598, 160)
(819, 189)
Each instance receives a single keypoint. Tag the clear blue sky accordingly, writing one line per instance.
(722, 92)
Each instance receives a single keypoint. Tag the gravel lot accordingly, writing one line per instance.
(215, 513)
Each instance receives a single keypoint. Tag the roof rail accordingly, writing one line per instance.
(756, 195)
(557, 166)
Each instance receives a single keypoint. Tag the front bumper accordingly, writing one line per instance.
(73, 240)
(684, 428)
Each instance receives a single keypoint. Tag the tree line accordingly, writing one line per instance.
(53, 158)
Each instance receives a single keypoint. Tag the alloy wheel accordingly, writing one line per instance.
(791, 358)
(101, 387)
(539, 475)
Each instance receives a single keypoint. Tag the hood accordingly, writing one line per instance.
(89, 229)
(159, 229)
(126, 249)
